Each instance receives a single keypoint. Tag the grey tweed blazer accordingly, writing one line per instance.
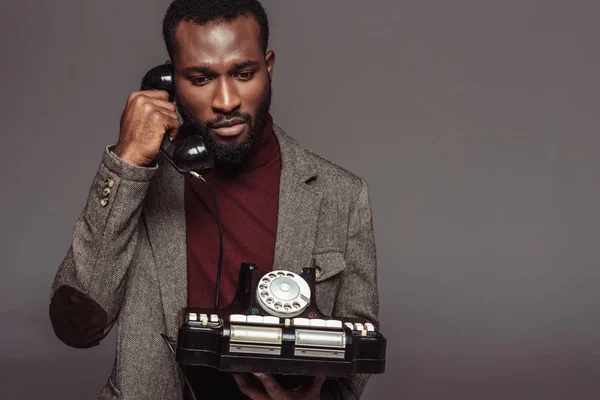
(127, 263)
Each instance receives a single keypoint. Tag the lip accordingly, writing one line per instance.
(230, 128)
(230, 131)
(228, 123)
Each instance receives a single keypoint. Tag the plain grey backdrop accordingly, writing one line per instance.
(475, 124)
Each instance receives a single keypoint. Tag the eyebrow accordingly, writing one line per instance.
(209, 71)
(246, 64)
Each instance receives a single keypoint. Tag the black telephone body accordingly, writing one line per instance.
(274, 326)
(187, 155)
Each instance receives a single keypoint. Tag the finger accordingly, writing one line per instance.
(246, 388)
(158, 115)
(168, 113)
(155, 93)
(149, 103)
(165, 118)
(313, 388)
(317, 383)
(143, 94)
(150, 96)
(271, 385)
(169, 124)
(172, 127)
(167, 105)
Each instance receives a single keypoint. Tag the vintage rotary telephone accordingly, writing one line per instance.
(273, 324)
(189, 154)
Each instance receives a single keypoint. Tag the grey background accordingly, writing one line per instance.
(474, 122)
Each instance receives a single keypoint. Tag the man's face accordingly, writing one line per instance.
(223, 84)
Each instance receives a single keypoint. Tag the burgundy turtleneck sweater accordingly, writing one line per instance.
(248, 202)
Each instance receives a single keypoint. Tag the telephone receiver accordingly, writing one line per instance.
(187, 155)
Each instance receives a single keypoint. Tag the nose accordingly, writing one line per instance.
(226, 99)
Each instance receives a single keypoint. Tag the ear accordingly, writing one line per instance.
(270, 60)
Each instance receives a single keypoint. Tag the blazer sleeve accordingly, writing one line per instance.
(88, 288)
(358, 294)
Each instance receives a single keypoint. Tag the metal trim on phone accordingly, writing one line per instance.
(319, 353)
(256, 334)
(254, 349)
(310, 337)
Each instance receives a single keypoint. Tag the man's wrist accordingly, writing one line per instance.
(126, 156)
(125, 170)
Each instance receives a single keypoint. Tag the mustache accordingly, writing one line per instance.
(247, 118)
(190, 119)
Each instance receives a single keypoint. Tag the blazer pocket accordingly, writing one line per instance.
(329, 265)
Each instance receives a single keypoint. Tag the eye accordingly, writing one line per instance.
(199, 81)
(246, 75)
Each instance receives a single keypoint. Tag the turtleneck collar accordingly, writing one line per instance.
(264, 149)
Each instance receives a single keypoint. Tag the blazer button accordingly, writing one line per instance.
(317, 272)
(110, 182)
(104, 202)
(106, 192)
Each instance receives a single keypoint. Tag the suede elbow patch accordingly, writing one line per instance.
(77, 319)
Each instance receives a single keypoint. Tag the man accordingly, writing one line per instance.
(145, 245)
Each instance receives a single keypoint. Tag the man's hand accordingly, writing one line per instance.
(148, 115)
(271, 390)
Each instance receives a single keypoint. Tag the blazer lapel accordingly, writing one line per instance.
(299, 206)
(165, 221)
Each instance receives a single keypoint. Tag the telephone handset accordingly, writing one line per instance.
(190, 153)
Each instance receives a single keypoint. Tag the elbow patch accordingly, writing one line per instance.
(77, 320)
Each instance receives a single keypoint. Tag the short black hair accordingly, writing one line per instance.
(204, 11)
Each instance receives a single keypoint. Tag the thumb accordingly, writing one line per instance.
(317, 383)
(173, 129)
(271, 386)
(173, 132)
(172, 126)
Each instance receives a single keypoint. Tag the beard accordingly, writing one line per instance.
(232, 155)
